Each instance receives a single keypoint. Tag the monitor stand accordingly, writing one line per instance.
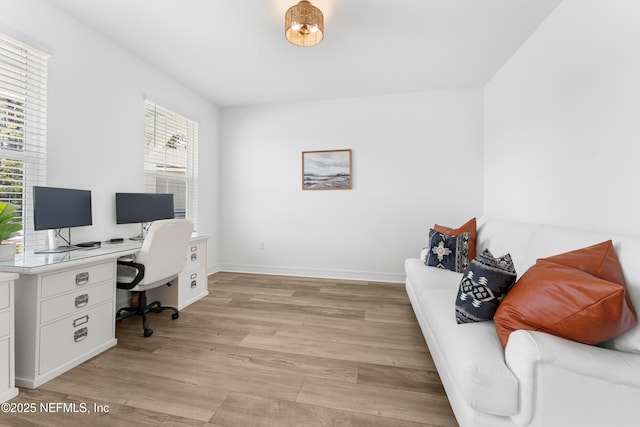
(139, 237)
(53, 244)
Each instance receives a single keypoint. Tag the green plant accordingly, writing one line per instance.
(8, 228)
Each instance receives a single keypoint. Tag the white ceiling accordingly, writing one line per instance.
(234, 52)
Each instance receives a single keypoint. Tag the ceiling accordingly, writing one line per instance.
(234, 52)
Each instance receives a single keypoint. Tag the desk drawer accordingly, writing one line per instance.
(196, 256)
(68, 338)
(76, 279)
(192, 284)
(5, 323)
(4, 295)
(75, 302)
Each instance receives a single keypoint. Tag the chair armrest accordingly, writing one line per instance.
(562, 378)
(139, 275)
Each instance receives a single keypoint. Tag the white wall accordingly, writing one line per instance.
(417, 159)
(562, 121)
(96, 118)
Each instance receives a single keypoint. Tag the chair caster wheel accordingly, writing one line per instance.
(148, 332)
(174, 316)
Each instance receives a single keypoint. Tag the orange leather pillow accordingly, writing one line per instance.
(469, 226)
(579, 295)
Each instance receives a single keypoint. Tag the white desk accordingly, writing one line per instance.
(65, 304)
(191, 284)
(64, 309)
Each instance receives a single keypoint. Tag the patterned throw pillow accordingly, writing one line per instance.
(447, 252)
(483, 286)
(469, 226)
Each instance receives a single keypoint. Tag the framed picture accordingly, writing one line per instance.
(326, 170)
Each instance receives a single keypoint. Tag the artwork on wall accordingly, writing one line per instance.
(326, 170)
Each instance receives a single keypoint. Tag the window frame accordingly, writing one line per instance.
(165, 130)
(23, 128)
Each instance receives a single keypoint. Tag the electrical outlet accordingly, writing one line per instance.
(260, 245)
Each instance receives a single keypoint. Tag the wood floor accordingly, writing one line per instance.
(258, 351)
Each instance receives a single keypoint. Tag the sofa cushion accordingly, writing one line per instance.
(448, 252)
(469, 355)
(469, 226)
(484, 284)
(430, 278)
(527, 242)
(579, 295)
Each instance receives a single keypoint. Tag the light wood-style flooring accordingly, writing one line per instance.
(259, 351)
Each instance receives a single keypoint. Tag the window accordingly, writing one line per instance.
(171, 158)
(23, 114)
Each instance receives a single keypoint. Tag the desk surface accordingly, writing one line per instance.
(30, 263)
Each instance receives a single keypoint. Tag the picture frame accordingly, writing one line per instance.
(326, 170)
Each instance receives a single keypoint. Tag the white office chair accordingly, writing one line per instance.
(160, 260)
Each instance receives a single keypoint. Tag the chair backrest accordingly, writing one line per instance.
(164, 249)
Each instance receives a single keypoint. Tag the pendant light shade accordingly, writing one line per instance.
(304, 24)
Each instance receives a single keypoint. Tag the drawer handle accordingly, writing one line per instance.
(194, 281)
(81, 334)
(194, 248)
(82, 278)
(194, 257)
(82, 300)
(81, 320)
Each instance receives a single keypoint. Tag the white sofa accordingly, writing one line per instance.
(538, 380)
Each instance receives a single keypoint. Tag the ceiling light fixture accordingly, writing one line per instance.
(304, 24)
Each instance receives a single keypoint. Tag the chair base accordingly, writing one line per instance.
(142, 310)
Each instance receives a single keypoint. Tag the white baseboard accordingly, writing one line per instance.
(213, 269)
(313, 272)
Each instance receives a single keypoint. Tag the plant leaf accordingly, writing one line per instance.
(6, 230)
(6, 212)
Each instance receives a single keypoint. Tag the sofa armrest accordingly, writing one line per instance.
(556, 375)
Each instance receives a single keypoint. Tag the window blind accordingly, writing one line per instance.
(171, 158)
(23, 124)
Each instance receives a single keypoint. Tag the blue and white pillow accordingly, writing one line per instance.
(484, 284)
(447, 252)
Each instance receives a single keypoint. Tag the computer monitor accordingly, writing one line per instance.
(55, 208)
(143, 207)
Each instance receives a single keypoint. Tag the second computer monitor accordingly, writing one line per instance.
(143, 207)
